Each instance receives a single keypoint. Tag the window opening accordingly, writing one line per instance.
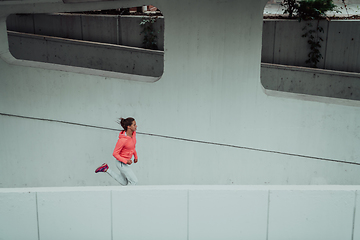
(286, 48)
(127, 40)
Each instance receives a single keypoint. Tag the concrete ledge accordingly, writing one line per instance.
(310, 81)
(181, 212)
(92, 55)
(10, 59)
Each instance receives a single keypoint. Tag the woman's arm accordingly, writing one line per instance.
(119, 145)
(135, 154)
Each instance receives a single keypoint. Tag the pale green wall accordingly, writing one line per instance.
(181, 212)
(210, 91)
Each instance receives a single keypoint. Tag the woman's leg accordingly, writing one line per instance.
(118, 176)
(127, 172)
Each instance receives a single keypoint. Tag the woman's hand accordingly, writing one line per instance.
(135, 160)
(129, 162)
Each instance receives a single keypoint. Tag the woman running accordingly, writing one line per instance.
(123, 152)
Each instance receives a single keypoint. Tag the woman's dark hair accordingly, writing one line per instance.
(125, 123)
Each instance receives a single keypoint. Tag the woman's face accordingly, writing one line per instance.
(133, 126)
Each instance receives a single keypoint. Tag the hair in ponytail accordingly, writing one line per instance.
(125, 122)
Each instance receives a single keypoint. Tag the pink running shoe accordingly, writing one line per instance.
(102, 168)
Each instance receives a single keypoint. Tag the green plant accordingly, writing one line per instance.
(314, 9)
(314, 40)
(310, 10)
(290, 7)
(150, 36)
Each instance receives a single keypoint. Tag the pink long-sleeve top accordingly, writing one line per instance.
(125, 147)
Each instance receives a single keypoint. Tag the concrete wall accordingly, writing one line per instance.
(283, 44)
(150, 63)
(207, 120)
(311, 81)
(108, 57)
(114, 29)
(282, 39)
(185, 212)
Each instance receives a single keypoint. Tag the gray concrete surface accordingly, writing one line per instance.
(310, 81)
(86, 54)
(283, 44)
(122, 30)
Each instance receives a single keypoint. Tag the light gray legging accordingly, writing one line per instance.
(126, 176)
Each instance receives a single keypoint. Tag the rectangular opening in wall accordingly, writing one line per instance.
(314, 56)
(129, 41)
